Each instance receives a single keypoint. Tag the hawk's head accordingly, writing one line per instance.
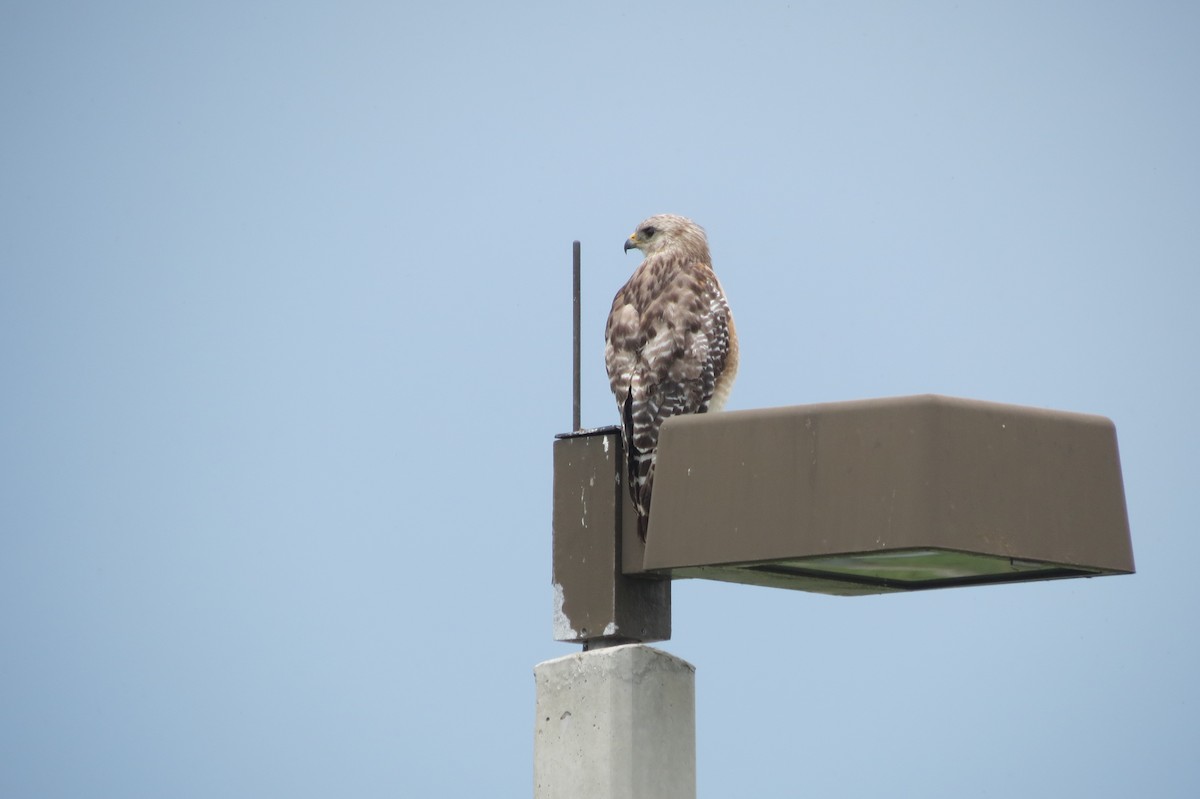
(669, 233)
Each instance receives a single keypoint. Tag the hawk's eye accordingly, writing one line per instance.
(648, 232)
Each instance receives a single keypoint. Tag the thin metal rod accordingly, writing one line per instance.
(575, 391)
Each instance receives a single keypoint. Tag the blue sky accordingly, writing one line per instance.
(284, 343)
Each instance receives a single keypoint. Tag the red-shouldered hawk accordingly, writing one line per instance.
(670, 344)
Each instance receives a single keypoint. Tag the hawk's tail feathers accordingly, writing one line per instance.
(639, 470)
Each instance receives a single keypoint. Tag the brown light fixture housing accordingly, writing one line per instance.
(862, 497)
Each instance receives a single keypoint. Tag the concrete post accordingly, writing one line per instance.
(615, 723)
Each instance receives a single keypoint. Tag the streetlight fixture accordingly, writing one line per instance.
(848, 498)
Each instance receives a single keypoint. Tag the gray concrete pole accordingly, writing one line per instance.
(615, 723)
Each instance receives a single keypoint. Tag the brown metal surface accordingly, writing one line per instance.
(747, 495)
(596, 604)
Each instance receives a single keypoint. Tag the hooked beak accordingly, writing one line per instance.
(630, 244)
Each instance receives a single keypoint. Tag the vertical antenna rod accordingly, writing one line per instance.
(575, 414)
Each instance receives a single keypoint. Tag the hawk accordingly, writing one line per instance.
(670, 345)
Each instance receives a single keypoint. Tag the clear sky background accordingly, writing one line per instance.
(284, 343)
